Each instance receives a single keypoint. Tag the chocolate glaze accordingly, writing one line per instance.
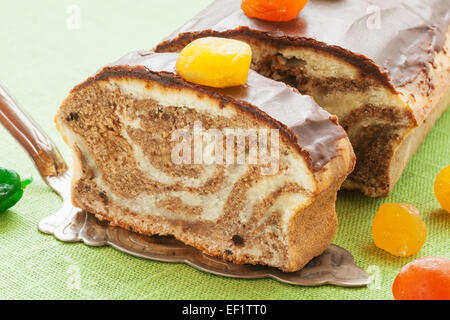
(409, 33)
(314, 131)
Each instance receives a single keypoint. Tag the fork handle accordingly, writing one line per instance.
(39, 146)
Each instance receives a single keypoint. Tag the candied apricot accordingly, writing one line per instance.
(398, 229)
(273, 10)
(442, 188)
(423, 279)
(215, 62)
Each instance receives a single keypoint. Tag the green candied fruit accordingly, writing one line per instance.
(11, 188)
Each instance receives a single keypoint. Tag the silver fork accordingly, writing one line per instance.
(335, 266)
(46, 157)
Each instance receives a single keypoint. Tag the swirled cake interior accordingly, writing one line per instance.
(122, 131)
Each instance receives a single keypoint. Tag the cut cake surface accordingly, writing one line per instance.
(120, 125)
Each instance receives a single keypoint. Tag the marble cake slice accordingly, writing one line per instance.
(383, 67)
(120, 125)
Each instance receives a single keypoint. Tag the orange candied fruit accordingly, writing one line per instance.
(273, 10)
(215, 62)
(442, 188)
(398, 229)
(423, 279)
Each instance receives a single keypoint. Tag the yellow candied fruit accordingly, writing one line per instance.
(215, 62)
(442, 188)
(398, 229)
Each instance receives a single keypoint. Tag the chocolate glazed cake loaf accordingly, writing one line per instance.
(383, 67)
(120, 125)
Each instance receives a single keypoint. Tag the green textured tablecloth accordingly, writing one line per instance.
(43, 54)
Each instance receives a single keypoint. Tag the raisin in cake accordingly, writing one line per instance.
(383, 67)
(119, 124)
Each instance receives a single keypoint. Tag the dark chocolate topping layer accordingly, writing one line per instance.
(314, 130)
(388, 39)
